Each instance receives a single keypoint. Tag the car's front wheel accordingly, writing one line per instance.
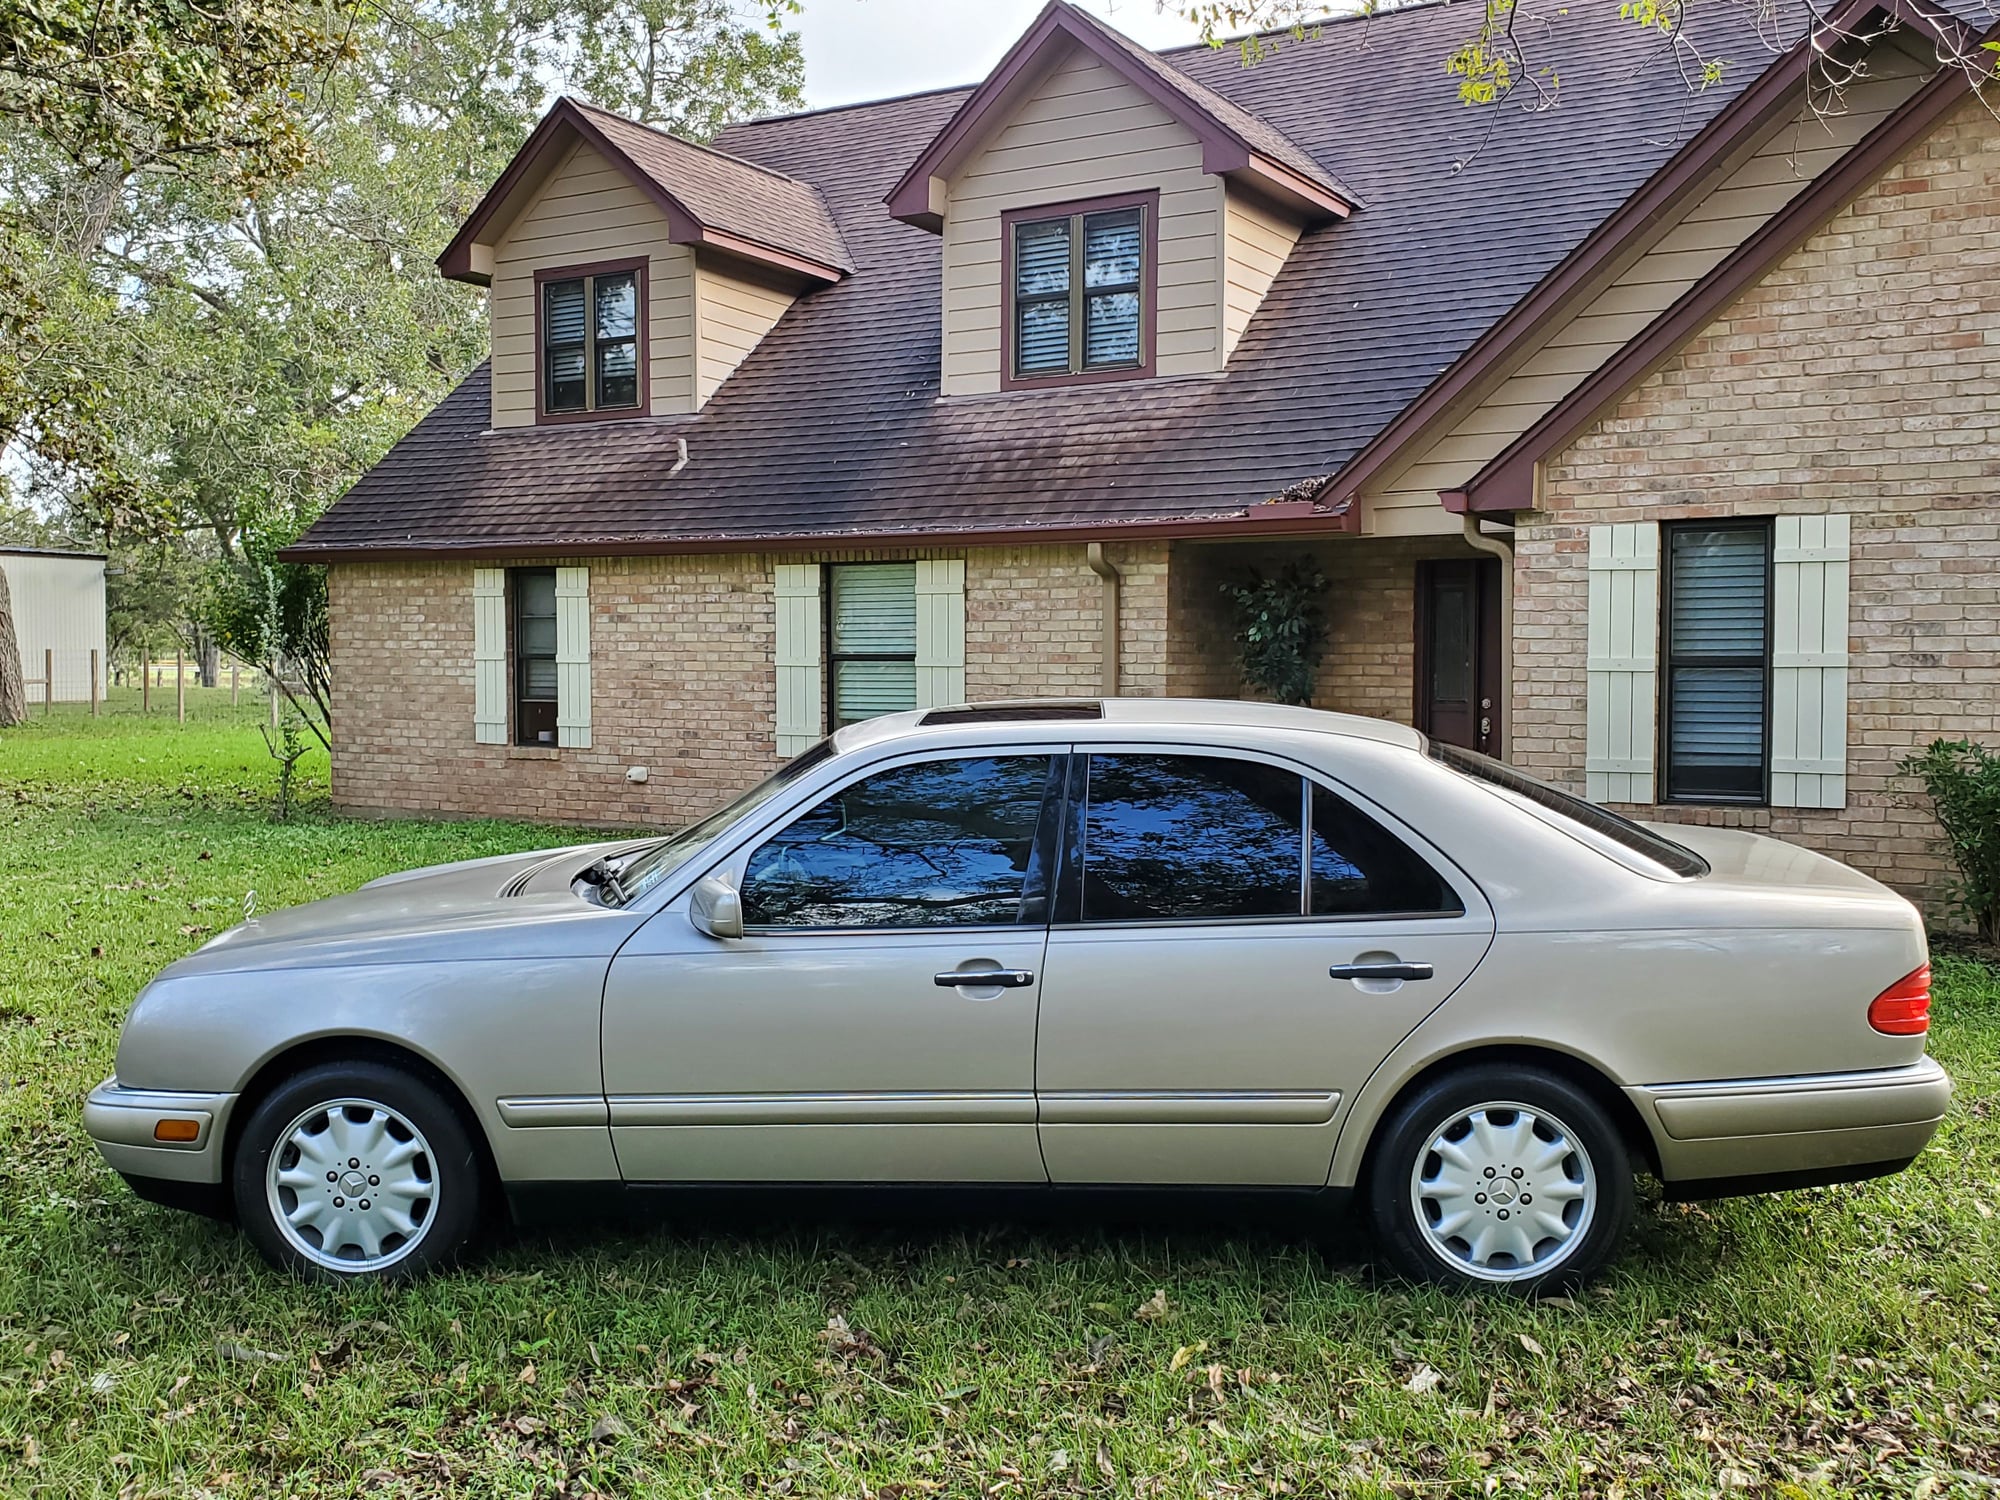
(1500, 1176)
(356, 1170)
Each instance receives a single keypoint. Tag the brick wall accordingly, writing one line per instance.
(1862, 375)
(1371, 602)
(683, 676)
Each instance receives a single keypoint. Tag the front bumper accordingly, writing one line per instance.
(124, 1124)
(1827, 1127)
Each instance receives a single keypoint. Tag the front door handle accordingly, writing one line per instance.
(983, 979)
(1381, 971)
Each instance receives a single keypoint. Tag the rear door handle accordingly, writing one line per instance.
(984, 979)
(1381, 971)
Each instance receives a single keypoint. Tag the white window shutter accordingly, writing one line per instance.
(1621, 703)
(489, 656)
(573, 658)
(940, 632)
(801, 694)
(1809, 662)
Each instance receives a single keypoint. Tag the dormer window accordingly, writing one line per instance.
(589, 322)
(1079, 281)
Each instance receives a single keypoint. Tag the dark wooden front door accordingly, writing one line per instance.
(1458, 652)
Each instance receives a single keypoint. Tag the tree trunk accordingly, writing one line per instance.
(209, 655)
(13, 693)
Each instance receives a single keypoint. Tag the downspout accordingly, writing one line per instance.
(1094, 555)
(1504, 550)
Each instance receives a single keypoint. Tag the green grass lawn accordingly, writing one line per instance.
(1837, 1342)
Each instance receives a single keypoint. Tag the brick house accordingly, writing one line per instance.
(1651, 442)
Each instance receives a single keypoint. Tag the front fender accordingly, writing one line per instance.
(496, 1029)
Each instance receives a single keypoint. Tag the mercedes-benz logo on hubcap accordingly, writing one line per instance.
(1503, 1193)
(353, 1184)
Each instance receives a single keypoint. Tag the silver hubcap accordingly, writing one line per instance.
(1503, 1192)
(352, 1185)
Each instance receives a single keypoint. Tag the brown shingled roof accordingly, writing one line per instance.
(728, 193)
(709, 197)
(831, 430)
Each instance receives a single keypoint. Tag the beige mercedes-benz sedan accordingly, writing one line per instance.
(1066, 944)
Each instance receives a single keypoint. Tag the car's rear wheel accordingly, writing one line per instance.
(356, 1170)
(1500, 1176)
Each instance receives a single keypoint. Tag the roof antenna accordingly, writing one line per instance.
(681, 461)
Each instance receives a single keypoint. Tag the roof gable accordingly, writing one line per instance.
(831, 432)
(708, 197)
(1235, 143)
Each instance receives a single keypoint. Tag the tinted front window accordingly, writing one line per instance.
(945, 843)
(1183, 836)
(1359, 868)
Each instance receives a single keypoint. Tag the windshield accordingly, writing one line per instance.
(1600, 821)
(654, 863)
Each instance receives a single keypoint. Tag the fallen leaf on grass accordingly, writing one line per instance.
(1426, 1379)
(527, 1375)
(607, 1427)
(1185, 1353)
(1155, 1308)
(1529, 1344)
(851, 1344)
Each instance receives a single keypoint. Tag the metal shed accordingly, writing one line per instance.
(58, 617)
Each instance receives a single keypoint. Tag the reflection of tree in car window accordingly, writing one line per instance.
(1359, 868)
(946, 843)
(1185, 836)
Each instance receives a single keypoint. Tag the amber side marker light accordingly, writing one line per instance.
(181, 1131)
(1904, 1009)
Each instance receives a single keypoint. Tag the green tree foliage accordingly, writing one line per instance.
(209, 349)
(1963, 782)
(1280, 630)
(135, 83)
(1510, 50)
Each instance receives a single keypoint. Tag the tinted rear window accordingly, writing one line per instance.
(1622, 831)
(1181, 837)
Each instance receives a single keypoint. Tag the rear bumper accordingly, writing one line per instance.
(1829, 1127)
(122, 1122)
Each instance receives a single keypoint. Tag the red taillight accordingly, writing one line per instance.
(1904, 1009)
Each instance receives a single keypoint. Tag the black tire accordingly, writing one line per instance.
(1409, 1226)
(436, 1175)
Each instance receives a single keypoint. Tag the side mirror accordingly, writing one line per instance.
(715, 908)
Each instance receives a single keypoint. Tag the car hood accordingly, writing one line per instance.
(474, 909)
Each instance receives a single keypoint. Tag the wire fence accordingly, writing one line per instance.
(172, 687)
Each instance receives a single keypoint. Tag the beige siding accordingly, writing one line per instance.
(589, 211)
(1255, 242)
(734, 311)
(1704, 236)
(1084, 133)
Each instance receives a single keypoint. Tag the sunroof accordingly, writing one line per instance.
(1020, 712)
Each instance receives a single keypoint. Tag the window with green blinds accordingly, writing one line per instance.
(1718, 663)
(872, 639)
